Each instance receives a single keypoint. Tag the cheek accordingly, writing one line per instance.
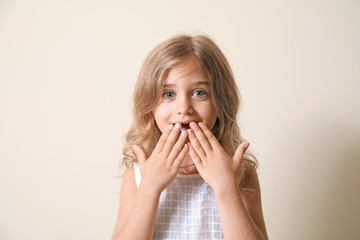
(210, 116)
(161, 118)
(211, 122)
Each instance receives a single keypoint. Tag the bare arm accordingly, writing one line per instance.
(241, 213)
(137, 210)
(241, 216)
(138, 207)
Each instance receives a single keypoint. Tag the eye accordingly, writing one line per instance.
(199, 93)
(168, 94)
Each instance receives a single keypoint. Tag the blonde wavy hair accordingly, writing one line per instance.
(224, 92)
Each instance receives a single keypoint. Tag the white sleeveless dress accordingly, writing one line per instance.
(187, 209)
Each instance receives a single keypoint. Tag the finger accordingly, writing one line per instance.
(196, 144)
(210, 136)
(178, 147)
(201, 136)
(171, 140)
(140, 154)
(160, 144)
(195, 157)
(180, 158)
(239, 153)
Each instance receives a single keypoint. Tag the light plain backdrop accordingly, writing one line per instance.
(67, 72)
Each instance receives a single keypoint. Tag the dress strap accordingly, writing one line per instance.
(137, 174)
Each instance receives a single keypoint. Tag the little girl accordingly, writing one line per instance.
(188, 173)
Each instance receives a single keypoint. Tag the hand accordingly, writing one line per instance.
(215, 166)
(160, 169)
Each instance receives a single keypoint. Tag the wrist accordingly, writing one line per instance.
(149, 190)
(226, 188)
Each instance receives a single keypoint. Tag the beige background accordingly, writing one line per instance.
(67, 71)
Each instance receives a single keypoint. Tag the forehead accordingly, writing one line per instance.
(187, 70)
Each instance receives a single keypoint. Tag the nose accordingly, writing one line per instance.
(184, 105)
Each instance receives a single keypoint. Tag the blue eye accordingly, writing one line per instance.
(168, 94)
(199, 93)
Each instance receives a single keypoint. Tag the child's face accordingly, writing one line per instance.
(185, 97)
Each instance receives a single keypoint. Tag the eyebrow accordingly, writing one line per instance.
(196, 84)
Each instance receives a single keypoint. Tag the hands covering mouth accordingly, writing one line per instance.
(185, 126)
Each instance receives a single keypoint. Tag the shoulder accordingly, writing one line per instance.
(127, 193)
(251, 195)
(128, 183)
(128, 190)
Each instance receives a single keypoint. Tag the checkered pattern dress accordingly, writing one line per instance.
(187, 209)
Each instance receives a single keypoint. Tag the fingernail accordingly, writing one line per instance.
(183, 133)
(189, 131)
(192, 124)
(171, 126)
(178, 125)
(247, 145)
